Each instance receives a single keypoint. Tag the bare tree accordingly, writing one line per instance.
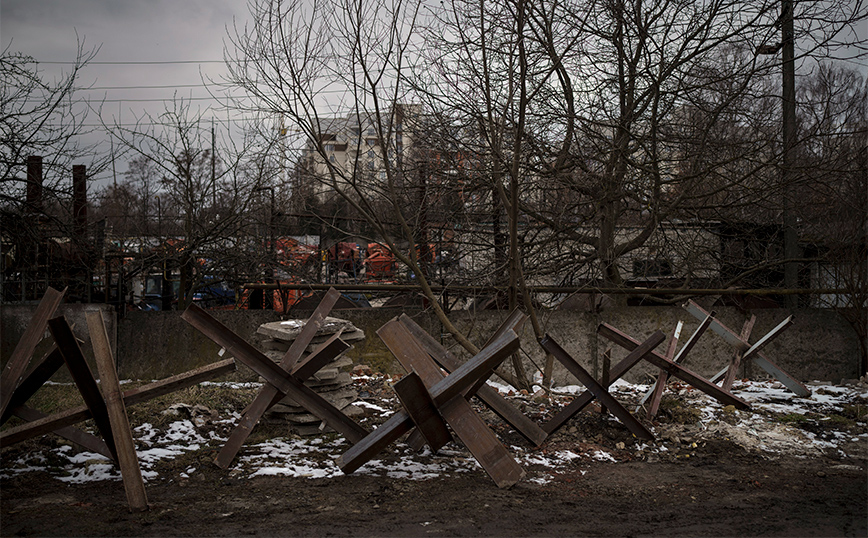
(199, 194)
(574, 122)
(42, 121)
(833, 191)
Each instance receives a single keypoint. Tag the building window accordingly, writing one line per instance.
(651, 268)
(332, 159)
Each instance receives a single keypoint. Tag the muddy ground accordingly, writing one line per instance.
(690, 483)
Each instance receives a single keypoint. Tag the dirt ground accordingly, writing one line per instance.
(700, 484)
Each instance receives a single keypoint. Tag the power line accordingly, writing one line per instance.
(162, 87)
(134, 63)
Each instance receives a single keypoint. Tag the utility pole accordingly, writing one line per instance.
(788, 109)
(213, 166)
(791, 238)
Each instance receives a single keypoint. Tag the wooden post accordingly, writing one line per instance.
(128, 461)
(83, 378)
(269, 395)
(17, 364)
(604, 380)
(490, 397)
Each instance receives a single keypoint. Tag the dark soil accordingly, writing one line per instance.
(719, 494)
(697, 487)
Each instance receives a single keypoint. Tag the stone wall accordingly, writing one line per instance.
(153, 345)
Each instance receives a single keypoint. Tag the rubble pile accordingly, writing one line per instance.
(333, 382)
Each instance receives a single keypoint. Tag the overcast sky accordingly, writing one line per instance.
(126, 31)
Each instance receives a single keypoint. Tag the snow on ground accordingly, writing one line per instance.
(773, 426)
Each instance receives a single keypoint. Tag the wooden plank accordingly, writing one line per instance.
(385, 434)
(79, 437)
(604, 379)
(251, 415)
(599, 392)
(473, 432)
(48, 424)
(83, 378)
(681, 356)
(400, 423)
(419, 405)
(769, 336)
(675, 370)
(128, 461)
(582, 400)
(489, 396)
(663, 376)
(309, 330)
(34, 379)
(324, 354)
(514, 323)
(735, 362)
(280, 379)
(17, 364)
(178, 382)
(758, 358)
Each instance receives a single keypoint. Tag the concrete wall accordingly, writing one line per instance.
(154, 345)
(14, 319)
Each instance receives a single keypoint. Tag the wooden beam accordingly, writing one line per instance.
(663, 376)
(79, 437)
(276, 376)
(489, 396)
(757, 357)
(34, 379)
(600, 392)
(83, 378)
(251, 415)
(675, 370)
(128, 461)
(735, 362)
(419, 405)
(17, 364)
(583, 399)
(400, 423)
(472, 430)
(48, 424)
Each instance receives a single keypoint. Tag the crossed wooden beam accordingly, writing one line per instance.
(747, 352)
(489, 396)
(597, 390)
(655, 394)
(431, 400)
(670, 367)
(105, 404)
(286, 378)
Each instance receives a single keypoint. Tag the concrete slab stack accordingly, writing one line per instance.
(333, 381)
